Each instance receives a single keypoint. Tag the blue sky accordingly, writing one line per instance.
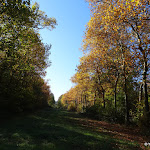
(72, 17)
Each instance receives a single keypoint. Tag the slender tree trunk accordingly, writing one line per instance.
(144, 70)
(145, 84)
(85, 100)
(115, 98)
(115, 91)
(125, 89)
(82, 102)
(126, 102)
(103, 93)
(98, 90)
(75, 102)
(145, 78)
(102, 90)
(140, 92)
(95, 98)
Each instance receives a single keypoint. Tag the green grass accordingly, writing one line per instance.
(53, 129)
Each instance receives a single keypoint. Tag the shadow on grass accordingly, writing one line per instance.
(52, 129)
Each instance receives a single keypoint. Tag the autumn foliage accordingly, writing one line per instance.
(112, 79)
(23, 56)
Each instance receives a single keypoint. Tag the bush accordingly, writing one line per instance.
(92, 112)
(144, 123)
(107, 114)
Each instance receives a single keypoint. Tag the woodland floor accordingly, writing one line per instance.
(53, 129)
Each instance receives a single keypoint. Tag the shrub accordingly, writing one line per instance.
(108, 114)
(144, 123)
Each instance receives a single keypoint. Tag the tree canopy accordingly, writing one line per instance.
(115, 65)
(23, 55)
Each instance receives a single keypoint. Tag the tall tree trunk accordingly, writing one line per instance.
(145, 84)
(75, 102)
(115, 91)
(125, 88)
(103, 93)
(144, 70)
(95, 98)
(115, 98)
(140, 92)
(126, 101)
(85, 100)
(82, 102)
(102, 90)
(98, 90)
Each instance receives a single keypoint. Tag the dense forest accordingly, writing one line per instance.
(23, 56)
(112, 81)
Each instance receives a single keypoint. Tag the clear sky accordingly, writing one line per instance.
(72, 17)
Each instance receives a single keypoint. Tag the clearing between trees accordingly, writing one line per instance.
(54, 129)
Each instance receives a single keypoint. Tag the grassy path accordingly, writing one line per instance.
(53, 129)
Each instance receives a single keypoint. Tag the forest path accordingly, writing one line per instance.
(53, 129)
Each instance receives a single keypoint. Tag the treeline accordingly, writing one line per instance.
(23, 56)
(112, 80)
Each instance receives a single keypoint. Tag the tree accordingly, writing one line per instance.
(23, 55)
(133, 16)
(59, 102)
(121, 25)
(51, 99)
(116, 49)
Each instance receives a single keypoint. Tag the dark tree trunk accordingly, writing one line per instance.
(125, 87)
(115, 91)
(144, 70)
(145, 85)
(95, 98)
(85, 100)
(103, 93)
(126, 102)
